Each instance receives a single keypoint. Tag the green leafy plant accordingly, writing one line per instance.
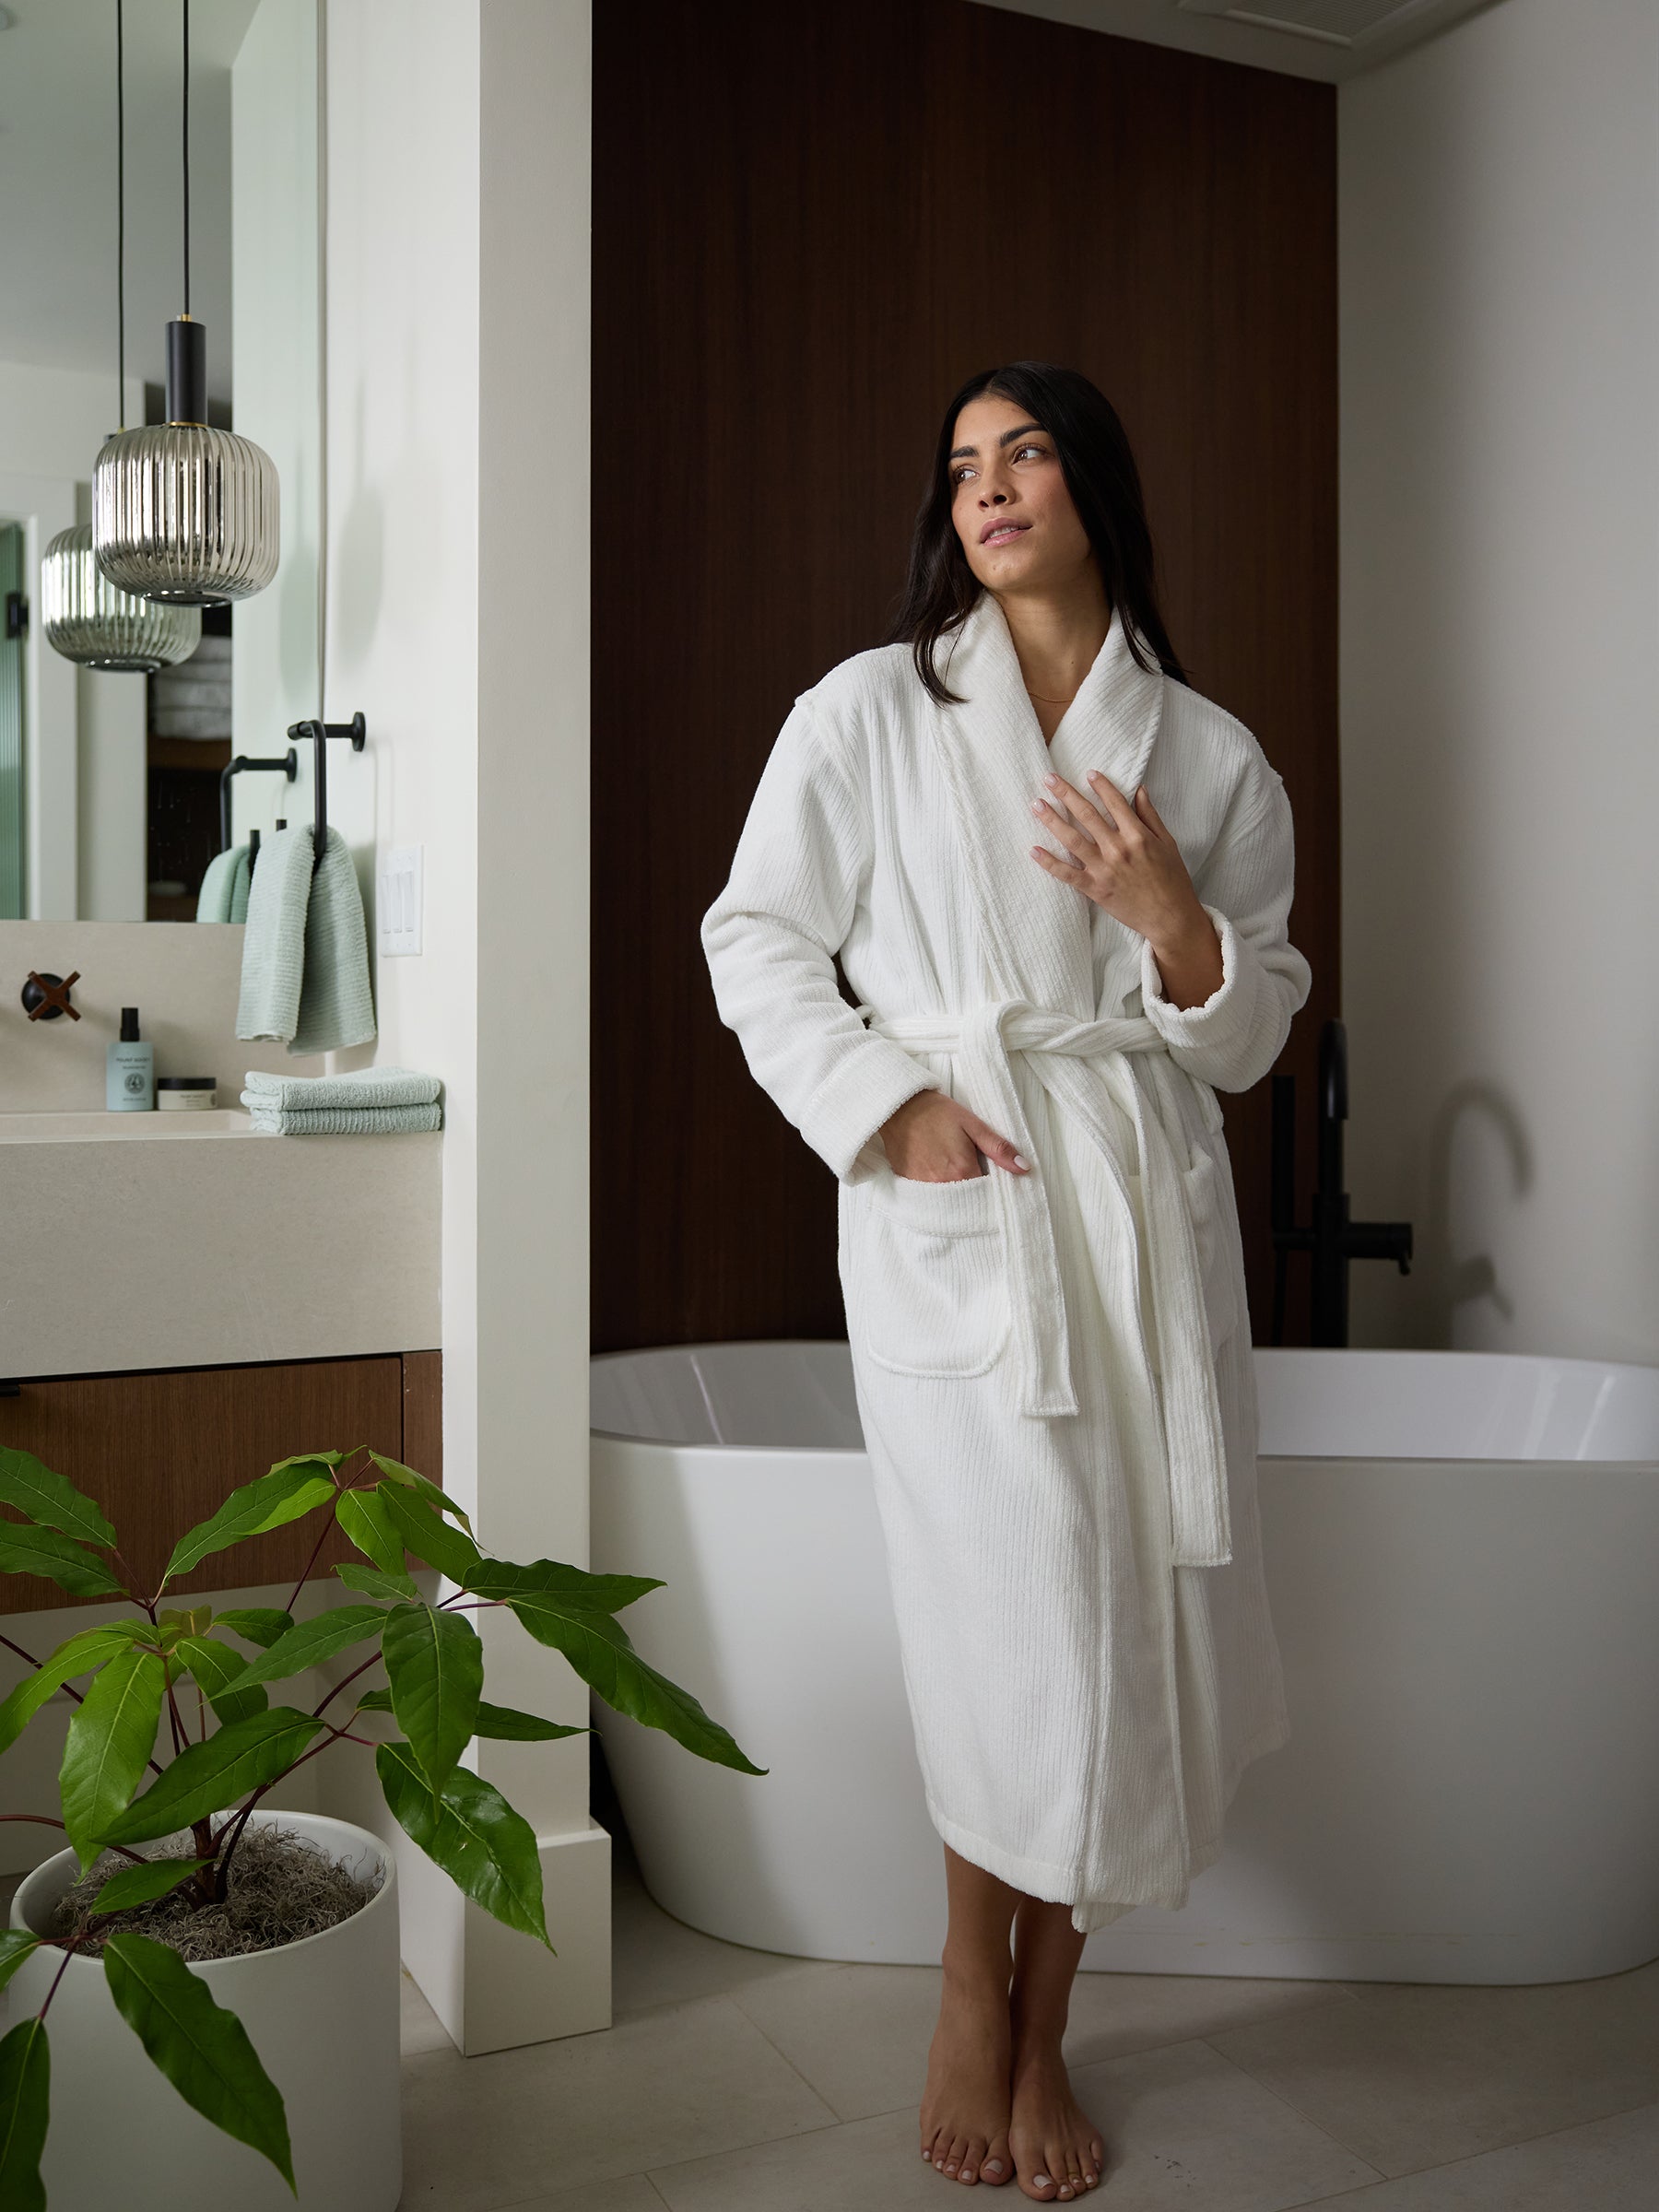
(154, 1667)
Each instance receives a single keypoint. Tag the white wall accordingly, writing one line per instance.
(1499, 366)
(274, 670)
(457, 327)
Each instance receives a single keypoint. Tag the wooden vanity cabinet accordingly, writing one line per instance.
(160, 1449)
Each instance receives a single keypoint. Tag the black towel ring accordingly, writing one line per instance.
(357, 730)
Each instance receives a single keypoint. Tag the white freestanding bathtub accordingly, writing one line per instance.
(1462, 1561)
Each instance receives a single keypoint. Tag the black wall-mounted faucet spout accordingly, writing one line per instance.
(1333, 1239)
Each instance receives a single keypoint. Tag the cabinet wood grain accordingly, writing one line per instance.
(160, 1450)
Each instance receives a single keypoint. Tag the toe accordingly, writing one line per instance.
(956, 2151)
(997, 2163)
(972, 2159)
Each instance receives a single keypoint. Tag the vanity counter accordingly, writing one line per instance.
(189, 1239)
(123, 1128)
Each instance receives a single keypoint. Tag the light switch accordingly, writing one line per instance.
(397, 902)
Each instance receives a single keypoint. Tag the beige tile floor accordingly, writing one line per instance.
(738, 2081)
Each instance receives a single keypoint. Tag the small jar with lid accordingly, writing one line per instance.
(186, 1094)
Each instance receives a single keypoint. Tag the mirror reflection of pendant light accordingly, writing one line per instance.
(183, 512)
(85, 616)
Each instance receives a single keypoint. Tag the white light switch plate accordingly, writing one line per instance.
(398, 900)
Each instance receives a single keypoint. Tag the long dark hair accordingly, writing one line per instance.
(1105, 487)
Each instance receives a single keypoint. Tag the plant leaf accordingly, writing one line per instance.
(25, 2108)
(34, 1489)
(258, 1624)
(216, 1668)
(435, 1668)
(406, 1478)
(90, 1648)
(398, 1589)
(555, 1578)
(111, 1740)
(16, 1943)
(428, 1535)
(473, 1834)
(363, 1518)
(292, 1489)
(25, 1549)
(309, 1643)
(598, 1648)
(142, 1885)
(188, 1621)
(201, 2047)
(207, 1778)
(503, 1724)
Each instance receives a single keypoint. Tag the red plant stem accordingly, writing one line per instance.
(56, 1978)
(20, 1652)
(45, 1820)
(178, 1737)
(131, 1578)
(317, 1709)
(265, 1789)
(332, 1516)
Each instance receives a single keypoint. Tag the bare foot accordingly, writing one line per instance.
(1058, 2152)
(965, 2103)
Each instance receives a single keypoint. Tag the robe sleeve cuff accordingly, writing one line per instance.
(841, 1118)
(1208, 1038)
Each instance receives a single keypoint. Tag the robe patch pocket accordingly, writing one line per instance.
(931, 1286)
(1209, 1232)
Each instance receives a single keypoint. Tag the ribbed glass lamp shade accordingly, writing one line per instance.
(87, 619)
(185, 513)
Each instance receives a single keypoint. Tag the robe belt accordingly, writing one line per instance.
(1056, 1046)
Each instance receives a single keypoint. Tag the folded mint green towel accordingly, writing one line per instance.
(305, 954)
(224, 893)
(338, 1120)
(366, 1087)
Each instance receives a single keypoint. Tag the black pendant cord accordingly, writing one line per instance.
(186, 114)
(120, 223)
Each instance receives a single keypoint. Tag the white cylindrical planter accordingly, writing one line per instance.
(322, 2015)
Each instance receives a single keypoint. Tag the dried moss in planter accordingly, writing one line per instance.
(278, 1889)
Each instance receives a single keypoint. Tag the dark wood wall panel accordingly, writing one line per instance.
(810, 224)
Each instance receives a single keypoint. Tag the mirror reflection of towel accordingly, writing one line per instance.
(305, 953)
(225, 886)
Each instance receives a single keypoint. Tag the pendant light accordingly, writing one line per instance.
(85, 616)
(182, 512)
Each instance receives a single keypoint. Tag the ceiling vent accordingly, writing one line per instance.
(1351, 24)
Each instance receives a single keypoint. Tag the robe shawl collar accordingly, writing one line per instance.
(1036, 927)
(1036, 936)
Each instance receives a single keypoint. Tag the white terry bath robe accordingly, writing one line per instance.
(1052, 1370)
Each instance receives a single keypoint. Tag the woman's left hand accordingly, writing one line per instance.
(1123, 858)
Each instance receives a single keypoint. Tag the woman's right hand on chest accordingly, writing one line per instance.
(934, 1138)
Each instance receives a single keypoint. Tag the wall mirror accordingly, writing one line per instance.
(111, 784)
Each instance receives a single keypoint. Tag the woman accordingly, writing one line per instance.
(1039, 1251)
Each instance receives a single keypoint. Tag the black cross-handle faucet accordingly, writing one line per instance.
(1332, 1239)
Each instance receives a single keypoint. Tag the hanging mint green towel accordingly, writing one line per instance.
(365, 1087)
(305, 953)
(337, 1121)
(224, 893)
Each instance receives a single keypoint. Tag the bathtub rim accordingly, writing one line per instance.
(1374, 1459)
